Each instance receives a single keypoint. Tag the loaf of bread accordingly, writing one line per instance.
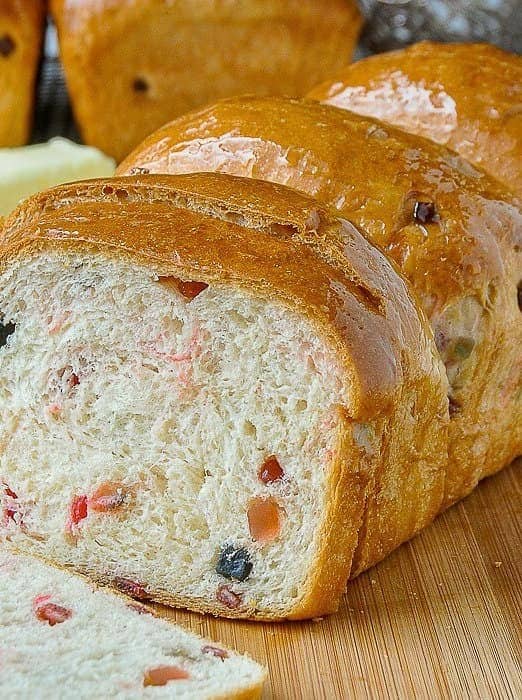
(132, 66)
(454, 233)
(214, 394)
(62, 638)
(21, 33)
(466, 96)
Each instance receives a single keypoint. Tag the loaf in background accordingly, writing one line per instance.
(212, 388)
(455, 234)
(465, 96)
(132, 66)
(21, 35)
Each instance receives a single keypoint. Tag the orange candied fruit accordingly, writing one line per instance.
(108, 497)
(270, 471)
(189, 289)
(52, 614)
(264, 519)
(161, 675)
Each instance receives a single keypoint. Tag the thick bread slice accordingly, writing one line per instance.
(63, 639)
(21, 34)
(466, 96)
(132, 66)
(215, 390)
(456, 235)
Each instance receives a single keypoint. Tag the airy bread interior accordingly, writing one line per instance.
(137, 421)
(59, 637)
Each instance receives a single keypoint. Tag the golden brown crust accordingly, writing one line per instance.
(230, 47)
(468, 256)
(277, 244)
(466, 96)
(21, 34)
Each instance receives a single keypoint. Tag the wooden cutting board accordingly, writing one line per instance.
(440, 618)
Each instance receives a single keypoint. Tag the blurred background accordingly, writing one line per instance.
(389, 24)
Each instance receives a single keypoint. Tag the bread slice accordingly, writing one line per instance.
(130, 68)
(21, 35)
(465, 96)
(454, 232)
(62, 638)
(213, 393)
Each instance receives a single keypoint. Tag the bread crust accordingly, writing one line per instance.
(374, 174)
(21, 34)
(466, 96)
(275, 243)
(126, 60)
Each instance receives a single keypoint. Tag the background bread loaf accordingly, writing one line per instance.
(132, 66)
(215, 390)
(454, 232)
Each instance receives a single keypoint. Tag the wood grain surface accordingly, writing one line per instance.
(440, 618)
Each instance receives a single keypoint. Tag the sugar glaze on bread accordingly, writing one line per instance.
(229, 400)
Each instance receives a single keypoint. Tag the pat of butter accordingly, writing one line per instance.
(24, 171)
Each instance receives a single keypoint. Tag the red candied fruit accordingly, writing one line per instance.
(229, 599)
(161, 675)
(73, 380)
(270, 471)
(264, 519)
(78, 509)
(9, 513)
(50, 612)
(189, 289)
(108, 497)
(131, 588)
(215, 651)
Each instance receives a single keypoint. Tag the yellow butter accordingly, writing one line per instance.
(24, 171)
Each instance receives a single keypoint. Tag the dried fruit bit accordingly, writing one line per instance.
(215, 651)
(50, 612)
(264, 519)
(132, 588)
(73, 380)
(234, 563)
(7, 46)
(228, 598)
(161, 675)
(5, 331)
(109, 496)
(10, 510)
(189, 289)
(270, 471)
(78, 510)
(425, 212)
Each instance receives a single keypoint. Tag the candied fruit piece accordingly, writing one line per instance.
(131, 588)
(229, 599)
(161, 675)
(215, 651)
(234, 563)
(108, 497)
(78, 509)
(264, 519)
(6, 330)
(10, 510)
(50, 612)
(189, 289)
(270, 471)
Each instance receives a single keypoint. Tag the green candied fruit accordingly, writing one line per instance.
(463, 348)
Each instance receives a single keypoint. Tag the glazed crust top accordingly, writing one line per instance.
(202, 225)
(467, 96)
(72, 11)
(375, 174)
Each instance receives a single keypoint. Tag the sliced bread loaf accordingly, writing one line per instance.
(214, 394)
(61, 638)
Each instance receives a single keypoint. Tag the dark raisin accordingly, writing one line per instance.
(234, 563)
(454, 407)
(7, 45)
(425, 212)
(519, 295)
(140, 85)
(5, 331)
(139, 171)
